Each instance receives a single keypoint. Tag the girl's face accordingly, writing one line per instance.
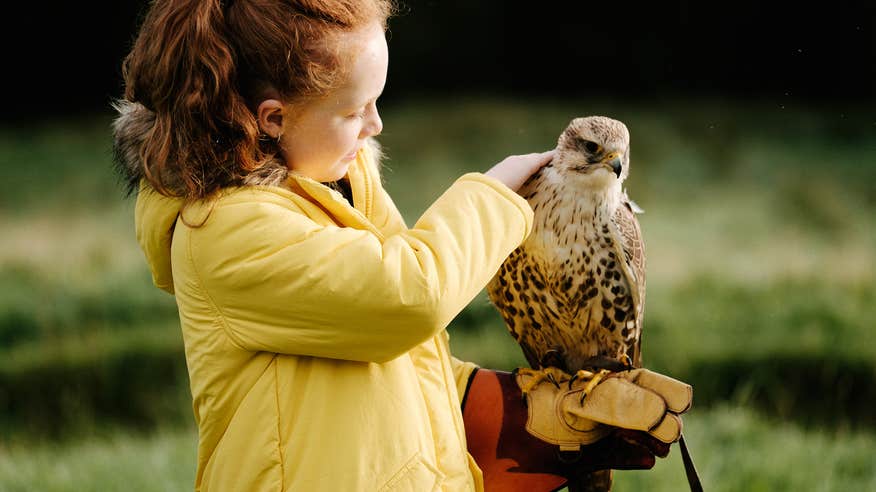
(322, 138)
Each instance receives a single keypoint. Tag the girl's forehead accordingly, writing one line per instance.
(366, 73)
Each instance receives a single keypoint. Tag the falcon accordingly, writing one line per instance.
(573, 294)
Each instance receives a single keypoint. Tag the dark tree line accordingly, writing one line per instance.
(741, 49)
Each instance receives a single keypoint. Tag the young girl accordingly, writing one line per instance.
(313, 318)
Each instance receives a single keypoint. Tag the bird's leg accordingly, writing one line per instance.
(552, 374)
(593, 378)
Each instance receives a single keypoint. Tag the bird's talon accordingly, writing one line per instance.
(572, 380)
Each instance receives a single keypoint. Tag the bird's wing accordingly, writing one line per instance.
(506, 297)
(634, 256)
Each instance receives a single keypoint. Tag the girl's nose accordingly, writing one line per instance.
(374, 125)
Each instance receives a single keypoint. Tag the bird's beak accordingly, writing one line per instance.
(613, 161)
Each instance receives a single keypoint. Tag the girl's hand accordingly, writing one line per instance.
(516, 169)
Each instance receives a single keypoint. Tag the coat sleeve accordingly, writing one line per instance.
(390, 221)
(462, 370)
(283, 283)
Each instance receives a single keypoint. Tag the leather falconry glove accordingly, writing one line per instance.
(570, 411)
(531, 431)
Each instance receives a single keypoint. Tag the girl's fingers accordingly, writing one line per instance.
(545, 157)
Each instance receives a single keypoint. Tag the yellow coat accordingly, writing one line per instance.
(315, 331)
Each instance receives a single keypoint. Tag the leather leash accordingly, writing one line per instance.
(693, 479)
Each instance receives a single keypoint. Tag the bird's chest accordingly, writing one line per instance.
(565, 289)
(589, 274)
(583, 271)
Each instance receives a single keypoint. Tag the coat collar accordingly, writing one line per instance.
(357, 215)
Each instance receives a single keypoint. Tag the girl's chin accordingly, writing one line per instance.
(339, 172)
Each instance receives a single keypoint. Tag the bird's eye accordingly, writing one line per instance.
(591, 147)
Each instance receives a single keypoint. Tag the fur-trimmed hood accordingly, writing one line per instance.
(155, 215)
(130, 128)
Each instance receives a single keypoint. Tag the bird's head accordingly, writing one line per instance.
(594, 150)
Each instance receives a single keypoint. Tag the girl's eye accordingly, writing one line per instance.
(358, 114)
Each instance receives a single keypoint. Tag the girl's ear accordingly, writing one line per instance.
(270, 117)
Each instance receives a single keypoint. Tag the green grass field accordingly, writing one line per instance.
(735, 450)
(760, 230)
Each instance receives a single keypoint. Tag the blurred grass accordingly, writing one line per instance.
(734, 449)
(57, 164)
(78, 387)
(760, 229)
(130, 462)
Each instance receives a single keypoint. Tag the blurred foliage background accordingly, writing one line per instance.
(759, 225)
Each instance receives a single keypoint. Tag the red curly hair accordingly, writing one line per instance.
(203, 66)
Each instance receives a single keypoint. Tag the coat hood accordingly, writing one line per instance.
(156, 214)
